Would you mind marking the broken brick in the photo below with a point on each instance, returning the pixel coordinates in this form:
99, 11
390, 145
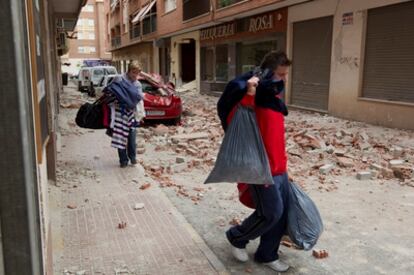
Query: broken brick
145, 186
320, 253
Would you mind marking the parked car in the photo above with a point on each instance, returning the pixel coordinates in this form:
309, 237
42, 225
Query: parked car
105, 80
161, 101
89, 77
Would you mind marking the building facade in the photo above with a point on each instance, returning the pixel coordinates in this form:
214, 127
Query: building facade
353, 59
88, 39
346, 61
34, 37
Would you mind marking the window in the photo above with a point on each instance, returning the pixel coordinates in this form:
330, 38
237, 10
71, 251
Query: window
249, 55
80, 23
214, 62
207, 61
170, 5
225, 3
86, 49
150, 21
91, 23
82, 35
87, 8
194, 8
221, 63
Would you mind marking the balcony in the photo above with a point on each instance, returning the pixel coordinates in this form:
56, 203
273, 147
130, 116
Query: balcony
135, 31
225, 3
149, 24
116, 41
194, 8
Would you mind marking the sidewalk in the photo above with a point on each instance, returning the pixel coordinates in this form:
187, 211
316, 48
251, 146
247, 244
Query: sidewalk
94, 196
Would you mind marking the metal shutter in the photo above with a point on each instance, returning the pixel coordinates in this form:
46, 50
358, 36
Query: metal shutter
389, 53
311, 66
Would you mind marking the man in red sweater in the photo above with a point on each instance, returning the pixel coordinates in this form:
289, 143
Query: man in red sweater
269, 219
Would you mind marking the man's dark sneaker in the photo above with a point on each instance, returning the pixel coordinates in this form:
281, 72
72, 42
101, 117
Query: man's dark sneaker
123, 165
133, 162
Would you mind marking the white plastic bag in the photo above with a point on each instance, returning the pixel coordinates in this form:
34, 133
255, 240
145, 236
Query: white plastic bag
140, 114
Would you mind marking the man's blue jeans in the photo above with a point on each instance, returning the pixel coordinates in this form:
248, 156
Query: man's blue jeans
268, 222
131, 151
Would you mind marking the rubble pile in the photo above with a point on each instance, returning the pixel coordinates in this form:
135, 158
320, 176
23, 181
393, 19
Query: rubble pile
319, 147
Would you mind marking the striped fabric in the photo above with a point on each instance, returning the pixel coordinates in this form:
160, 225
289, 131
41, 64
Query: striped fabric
123, 122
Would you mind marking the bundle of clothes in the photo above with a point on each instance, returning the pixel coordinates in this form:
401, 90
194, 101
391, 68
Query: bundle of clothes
119, 110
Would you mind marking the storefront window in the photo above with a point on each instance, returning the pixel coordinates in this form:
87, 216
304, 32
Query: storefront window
221, 63
214, 62
249, 55
207, 62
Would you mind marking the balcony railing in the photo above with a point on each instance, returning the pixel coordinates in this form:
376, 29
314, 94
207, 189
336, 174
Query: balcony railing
194, 8
116, 41
135, 31
149, 24
225, 3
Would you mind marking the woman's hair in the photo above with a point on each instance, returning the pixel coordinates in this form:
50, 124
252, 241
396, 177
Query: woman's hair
134, 65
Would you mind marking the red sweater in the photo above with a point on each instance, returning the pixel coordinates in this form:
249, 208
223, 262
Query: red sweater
272, 128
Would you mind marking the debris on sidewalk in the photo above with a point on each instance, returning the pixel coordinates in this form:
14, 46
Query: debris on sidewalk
314, 142
139, 206
145, 186
235, 221
320, 253
122, 225
72, 206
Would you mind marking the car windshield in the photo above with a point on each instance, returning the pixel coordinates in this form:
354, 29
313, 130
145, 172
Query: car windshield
98, 72
148, 88
110, 70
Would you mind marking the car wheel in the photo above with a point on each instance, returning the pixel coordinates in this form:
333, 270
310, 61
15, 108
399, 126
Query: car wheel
177, 121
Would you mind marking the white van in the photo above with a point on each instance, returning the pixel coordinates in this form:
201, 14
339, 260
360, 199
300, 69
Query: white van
89, 77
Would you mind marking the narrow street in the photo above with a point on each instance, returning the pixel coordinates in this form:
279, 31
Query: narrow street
174, 224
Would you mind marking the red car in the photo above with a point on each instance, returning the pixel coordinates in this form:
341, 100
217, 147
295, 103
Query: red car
160, 99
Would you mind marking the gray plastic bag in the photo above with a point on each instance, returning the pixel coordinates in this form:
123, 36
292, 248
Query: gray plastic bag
242, 156
304, 221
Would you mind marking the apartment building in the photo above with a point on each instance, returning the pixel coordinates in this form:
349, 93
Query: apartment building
351, 58
34, 37
88, 45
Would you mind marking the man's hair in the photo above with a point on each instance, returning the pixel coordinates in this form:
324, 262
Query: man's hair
134, 65
274, 59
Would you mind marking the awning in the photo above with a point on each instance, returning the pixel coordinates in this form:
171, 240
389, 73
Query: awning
144, 11
113, 5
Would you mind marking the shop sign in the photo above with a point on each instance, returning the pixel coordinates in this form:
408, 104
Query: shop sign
217, 32
261, 23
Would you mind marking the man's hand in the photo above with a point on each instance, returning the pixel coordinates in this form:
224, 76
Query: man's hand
251, 85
